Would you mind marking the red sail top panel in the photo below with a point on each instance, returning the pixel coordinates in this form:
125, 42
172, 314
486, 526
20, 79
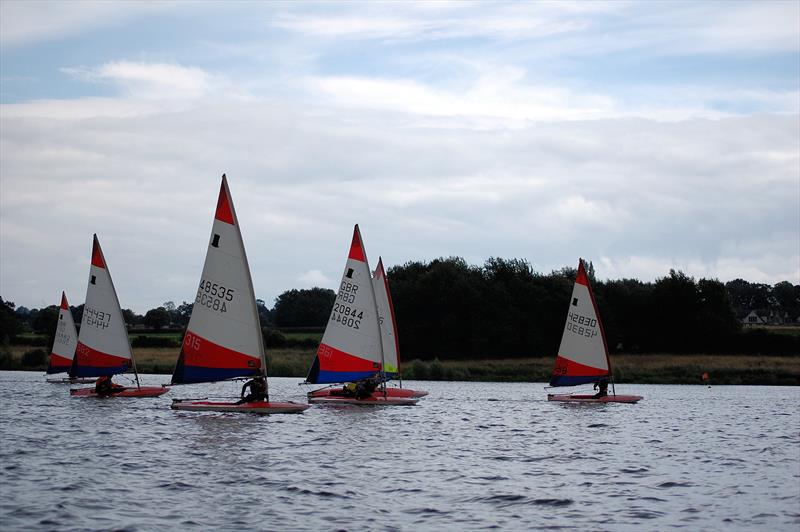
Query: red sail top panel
97, 254
224, 213
356, 247
582, 278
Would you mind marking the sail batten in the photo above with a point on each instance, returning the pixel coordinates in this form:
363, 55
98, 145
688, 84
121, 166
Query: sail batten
351, 345
583, 353
223, 338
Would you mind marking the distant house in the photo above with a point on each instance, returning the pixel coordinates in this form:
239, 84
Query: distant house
756, 318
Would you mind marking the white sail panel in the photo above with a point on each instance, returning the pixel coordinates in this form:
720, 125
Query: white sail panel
223, 338
386, 319
103, 346
582, 341
582, 355
351, 345
66, 340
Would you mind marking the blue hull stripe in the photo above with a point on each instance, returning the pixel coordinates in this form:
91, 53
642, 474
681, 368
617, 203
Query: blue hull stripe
93, 371
189, 374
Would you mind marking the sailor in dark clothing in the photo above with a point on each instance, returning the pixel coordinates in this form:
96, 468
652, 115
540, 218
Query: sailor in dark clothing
364, 388
603, 391
258, 390
104, 387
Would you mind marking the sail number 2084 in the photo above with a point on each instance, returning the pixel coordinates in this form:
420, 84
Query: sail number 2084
213, 296
347, 316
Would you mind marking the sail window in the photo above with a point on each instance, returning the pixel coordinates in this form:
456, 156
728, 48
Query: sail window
215, 242
94, 280
574, 301
349, 273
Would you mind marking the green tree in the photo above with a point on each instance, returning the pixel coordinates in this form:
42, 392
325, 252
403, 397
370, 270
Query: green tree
10, 323
787, 297
304, 308
46, 320
130, 317
156, 318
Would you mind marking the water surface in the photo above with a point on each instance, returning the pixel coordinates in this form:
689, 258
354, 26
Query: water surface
470, 456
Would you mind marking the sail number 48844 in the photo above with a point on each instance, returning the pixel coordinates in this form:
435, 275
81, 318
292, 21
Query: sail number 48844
213, 296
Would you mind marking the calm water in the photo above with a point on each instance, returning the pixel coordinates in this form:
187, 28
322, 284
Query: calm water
469, 456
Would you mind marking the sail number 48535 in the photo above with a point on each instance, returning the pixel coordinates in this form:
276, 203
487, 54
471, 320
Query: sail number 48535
213, 296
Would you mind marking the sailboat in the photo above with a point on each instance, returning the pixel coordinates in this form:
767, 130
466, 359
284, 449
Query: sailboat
223, 338
63, 352
583, 353
103, 347
351, 348
388, 329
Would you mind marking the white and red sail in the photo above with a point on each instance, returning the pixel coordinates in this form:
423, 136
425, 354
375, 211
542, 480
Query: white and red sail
388, 324
103, 347
583, 354
223, 339
351, 345
66, 340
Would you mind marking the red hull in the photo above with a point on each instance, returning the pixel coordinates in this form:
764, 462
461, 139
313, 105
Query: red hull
377, 399
257, 407
144, 391
569, 398
390, 392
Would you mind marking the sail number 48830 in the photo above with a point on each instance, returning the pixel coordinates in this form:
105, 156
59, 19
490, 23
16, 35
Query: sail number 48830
213, 296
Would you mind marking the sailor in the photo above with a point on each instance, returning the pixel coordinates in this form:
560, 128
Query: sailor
603, 391
258, 390
364, 388
350, 389
104, 387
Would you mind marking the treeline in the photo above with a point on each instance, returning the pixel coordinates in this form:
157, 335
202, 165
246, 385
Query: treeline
449, 309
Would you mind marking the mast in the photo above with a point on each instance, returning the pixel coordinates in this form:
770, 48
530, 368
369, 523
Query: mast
602, 329
260, 337
377, 317
96, 244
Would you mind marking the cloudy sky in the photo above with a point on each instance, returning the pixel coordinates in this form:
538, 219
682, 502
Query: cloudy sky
643, 136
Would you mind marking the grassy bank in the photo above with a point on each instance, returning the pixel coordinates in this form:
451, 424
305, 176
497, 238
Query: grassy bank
642, 369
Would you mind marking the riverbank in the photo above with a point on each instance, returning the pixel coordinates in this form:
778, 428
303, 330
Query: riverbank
655, 368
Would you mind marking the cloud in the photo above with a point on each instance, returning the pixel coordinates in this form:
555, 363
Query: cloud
25, 22
154, 81
502, 94
470, 129
313, 278
707, 196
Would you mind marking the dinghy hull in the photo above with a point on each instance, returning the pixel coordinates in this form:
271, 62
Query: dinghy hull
144, 391
391, 392
258, 407
376, 399
570, 398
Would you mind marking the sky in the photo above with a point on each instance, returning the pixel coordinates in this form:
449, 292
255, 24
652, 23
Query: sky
643, 136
